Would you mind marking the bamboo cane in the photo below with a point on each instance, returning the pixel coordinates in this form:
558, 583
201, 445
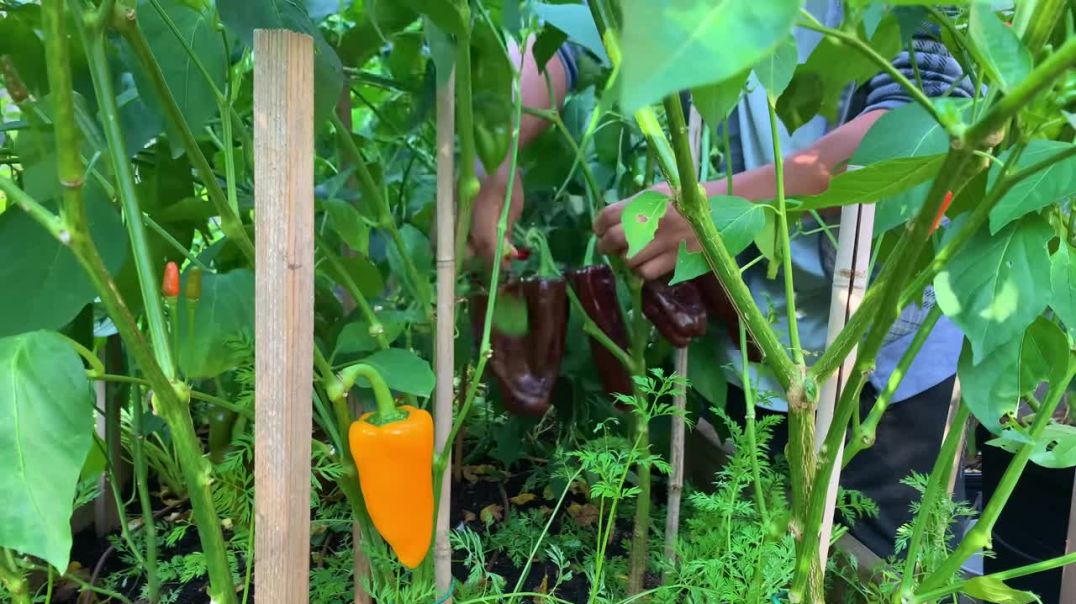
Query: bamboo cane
446, 312
849, 285
676, 453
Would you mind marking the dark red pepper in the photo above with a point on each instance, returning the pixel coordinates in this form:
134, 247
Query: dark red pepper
719, 307
676, 311
596, 287
526, 367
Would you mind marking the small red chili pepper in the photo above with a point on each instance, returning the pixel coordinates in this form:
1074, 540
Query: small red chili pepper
170, 283
521, 253
941, 211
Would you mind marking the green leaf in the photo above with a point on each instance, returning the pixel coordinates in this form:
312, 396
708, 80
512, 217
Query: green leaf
418, 250
1062, 278
365, 274
874, 182
242, 17
907, 131
19, 41
193, 93
996, 286
347, 223
1044, 355
1007, 60
1038, 190
704, 372
990, 589
376, 24
47, 418
1055, 448
576, 21
775, 71
356, 337
641, 218
52, 287
224, 313
446, 14
715, 101
991, 387
738, 221
670, 45
403, 371
801, 101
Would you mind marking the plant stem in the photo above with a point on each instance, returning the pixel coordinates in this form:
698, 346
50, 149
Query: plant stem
340, 274
386, 407
936, 485
230, 222
172, 399
979, 535
14, 579
783, 236
692, 205
468, 185
865, 49
149, 526
93, 38
749, 420
640, 542
419, 282
865, 434
1005, 575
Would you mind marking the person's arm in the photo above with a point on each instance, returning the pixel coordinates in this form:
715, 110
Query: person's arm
535, 93
806, 172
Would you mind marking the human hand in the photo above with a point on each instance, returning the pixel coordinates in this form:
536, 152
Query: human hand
487, 213
656, 259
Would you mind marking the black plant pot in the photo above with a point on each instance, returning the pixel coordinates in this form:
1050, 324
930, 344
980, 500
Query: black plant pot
1033, 525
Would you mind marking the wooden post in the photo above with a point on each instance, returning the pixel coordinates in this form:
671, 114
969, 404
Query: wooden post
849, 285
284, 311
1068, 574
444, 359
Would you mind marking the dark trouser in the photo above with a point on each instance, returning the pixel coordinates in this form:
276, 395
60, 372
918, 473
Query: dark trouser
908, 439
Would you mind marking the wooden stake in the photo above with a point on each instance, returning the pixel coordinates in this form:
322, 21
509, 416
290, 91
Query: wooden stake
849, 285
1068, 574
284, 311
954, 406
676, 453
446, 312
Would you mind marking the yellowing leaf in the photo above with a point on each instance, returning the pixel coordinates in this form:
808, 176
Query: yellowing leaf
523, 498
491, 513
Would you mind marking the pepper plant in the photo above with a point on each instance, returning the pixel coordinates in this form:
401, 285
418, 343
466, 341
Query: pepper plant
126, 151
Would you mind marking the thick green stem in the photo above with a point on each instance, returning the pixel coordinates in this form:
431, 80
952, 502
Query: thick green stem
1013, 573
784, 237
692, 204
419, 282
14, 579
865, 433
979, 535
1044, 15
93, 37
936, 486
172, 399
386, 406
230, 222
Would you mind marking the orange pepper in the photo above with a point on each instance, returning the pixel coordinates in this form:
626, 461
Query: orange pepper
393, 450
941, 211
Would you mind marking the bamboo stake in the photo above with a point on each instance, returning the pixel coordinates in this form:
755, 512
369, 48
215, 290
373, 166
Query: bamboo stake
849, 285
446, 312
676, 453
1068, 575
284, 321
954, 406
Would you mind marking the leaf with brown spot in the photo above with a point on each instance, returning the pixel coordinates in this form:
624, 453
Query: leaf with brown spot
584, 514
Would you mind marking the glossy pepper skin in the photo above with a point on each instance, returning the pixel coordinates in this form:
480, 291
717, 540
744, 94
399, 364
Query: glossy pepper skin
395, 463
719, 307
170, 281
675, 310
596, 287
526, 366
